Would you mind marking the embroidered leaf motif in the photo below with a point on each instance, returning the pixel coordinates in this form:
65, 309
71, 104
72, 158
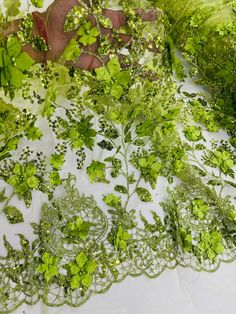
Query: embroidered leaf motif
13, 214
74, 18
121, 189
106, 145
144, 194
105, 21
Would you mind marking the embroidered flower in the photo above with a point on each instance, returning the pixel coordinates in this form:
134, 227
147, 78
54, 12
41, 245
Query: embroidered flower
114, 79
48, 267
88, 33
78, 228
121, 239
193, 133
81, 271
24, 178
199, 208
211, 244
13, 63
223, 160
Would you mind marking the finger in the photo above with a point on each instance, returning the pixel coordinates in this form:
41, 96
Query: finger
118, 18
86, 62
148, 16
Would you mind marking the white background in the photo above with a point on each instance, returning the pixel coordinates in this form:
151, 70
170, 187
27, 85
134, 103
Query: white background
179, 291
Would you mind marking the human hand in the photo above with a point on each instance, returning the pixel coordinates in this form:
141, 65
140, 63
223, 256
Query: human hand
54, 19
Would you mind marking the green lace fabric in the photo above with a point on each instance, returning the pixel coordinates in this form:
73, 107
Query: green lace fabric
206, 32
107, 173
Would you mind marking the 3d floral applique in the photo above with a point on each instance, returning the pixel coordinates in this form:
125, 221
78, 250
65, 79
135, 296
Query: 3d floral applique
48, 267
113, 78
193, 133
149, 167
97, 172
77, 133
74, 18
199, 208
81, 271
57, 160
211, 244
87, 33
99, 148
122, 238
13, 63
78, 228
223, 160
112, 200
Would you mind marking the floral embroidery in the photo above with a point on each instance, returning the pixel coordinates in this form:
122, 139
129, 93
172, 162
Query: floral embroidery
48, 267
99, 148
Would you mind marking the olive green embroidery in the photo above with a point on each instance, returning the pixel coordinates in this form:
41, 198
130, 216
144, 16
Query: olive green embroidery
126, 136
144, 194
14, 216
